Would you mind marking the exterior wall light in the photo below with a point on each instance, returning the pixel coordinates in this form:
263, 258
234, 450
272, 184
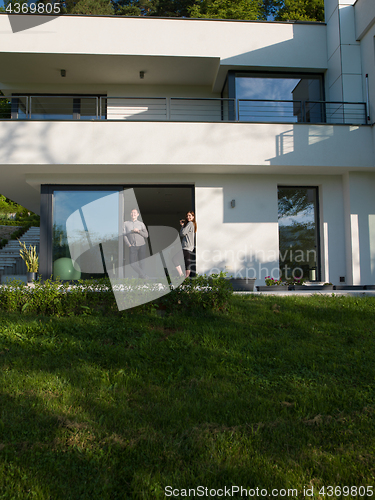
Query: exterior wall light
63, 72
232, 203
141, 75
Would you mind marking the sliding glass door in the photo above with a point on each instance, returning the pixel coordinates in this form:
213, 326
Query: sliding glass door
298, 233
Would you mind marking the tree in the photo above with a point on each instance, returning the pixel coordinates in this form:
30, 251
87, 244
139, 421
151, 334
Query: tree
280, 10
301, 10
228, 9
5, 107
89, 7
293, 202
8, 206
131, 7
160, 8
173, 8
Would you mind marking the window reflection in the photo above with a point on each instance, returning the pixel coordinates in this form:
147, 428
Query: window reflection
82, 220
276, 98
54, 107
298, 233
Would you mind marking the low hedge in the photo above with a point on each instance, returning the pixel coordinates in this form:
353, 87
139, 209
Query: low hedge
22, 222
200, 293
6, 222
57, 298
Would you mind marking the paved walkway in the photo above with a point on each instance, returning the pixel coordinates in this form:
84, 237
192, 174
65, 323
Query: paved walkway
352, 293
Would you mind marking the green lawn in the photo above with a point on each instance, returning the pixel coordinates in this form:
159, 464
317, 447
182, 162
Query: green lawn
277, 393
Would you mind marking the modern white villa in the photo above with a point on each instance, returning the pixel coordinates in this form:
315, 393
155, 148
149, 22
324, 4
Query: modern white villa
265, 130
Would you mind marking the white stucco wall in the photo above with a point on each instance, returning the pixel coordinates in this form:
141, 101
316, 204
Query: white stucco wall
156, 146
359, 189
244, 240
364, 17
366, 30
235, 42
344, 75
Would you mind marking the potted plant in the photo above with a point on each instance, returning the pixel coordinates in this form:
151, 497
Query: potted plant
314, 286
242, 284
296, 284
31, 259
273, 285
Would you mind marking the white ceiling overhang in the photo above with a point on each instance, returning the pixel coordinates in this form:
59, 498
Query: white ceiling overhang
107, 69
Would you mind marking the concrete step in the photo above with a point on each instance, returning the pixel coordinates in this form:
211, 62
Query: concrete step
11, 263
28, 241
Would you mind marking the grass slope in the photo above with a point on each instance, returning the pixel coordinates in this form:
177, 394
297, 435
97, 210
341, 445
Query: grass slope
276, 393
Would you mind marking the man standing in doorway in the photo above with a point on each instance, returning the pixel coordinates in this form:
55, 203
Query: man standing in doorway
135, 233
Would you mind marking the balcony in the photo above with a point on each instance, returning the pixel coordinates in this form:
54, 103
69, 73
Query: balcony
176, 109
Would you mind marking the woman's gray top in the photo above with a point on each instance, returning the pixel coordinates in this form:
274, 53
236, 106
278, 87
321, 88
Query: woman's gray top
187, 236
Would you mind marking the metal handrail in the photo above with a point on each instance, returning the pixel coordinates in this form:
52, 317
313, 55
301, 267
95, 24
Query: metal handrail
343, 114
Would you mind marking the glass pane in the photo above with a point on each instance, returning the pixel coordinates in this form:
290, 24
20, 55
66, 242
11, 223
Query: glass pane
298, 247
82, 220
51, 108
266, 88
88, 107
256, 92
19, 107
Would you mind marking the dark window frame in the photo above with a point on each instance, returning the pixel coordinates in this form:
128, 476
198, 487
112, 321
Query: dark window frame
230, 81
317, 224
76, 103
46, 213
231, 77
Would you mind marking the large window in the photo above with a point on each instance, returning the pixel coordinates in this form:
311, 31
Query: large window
274, 97
82, 222
298, 233
82, 226
56, 107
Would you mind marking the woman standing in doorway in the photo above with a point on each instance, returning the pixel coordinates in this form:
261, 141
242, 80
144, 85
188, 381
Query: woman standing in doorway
187, 234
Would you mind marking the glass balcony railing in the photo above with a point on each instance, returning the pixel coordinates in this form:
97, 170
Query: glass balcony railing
182, 109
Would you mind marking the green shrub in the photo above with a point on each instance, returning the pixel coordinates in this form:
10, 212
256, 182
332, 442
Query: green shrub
56, 298
200, 293
17, 234
88, 297
31, 220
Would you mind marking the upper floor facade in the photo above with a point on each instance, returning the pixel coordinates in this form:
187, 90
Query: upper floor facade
235, 96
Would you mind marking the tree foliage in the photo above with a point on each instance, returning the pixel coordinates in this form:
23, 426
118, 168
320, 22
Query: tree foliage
228, 9
8, 206
280, 10
293, 202
159, 8
300, 10
89, 7
5, 107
